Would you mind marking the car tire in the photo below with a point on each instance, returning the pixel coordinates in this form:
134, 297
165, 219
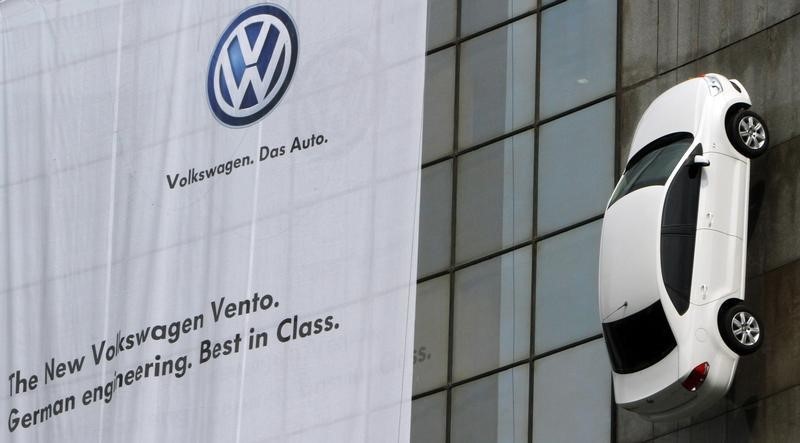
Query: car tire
748, 133
740, 329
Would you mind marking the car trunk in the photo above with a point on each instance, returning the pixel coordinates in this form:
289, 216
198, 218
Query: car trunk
671, 397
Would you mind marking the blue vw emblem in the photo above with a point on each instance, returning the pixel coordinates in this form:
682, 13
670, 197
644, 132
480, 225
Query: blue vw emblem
252, 65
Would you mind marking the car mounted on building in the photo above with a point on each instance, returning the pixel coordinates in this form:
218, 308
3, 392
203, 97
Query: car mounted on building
673, 248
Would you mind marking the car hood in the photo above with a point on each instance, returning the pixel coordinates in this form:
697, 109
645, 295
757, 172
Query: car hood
676, 110
629, 254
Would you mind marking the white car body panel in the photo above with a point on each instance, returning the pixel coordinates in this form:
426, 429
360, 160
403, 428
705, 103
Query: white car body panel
692, 98
660, 117
721, 208
637, 233
717, 266
630, 264
630, 388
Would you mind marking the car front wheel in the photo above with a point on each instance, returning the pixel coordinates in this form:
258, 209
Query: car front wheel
748, 133
740, 329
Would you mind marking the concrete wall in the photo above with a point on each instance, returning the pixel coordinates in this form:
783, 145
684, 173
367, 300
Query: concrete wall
758, 42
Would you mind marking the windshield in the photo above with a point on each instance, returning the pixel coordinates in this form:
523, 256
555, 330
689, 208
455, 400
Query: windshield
640, 340
654, 168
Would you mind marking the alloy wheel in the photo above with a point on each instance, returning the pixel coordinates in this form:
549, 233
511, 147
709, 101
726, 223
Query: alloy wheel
752, 132
745, 328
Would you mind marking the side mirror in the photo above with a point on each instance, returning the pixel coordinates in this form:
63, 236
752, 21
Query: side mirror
701, 161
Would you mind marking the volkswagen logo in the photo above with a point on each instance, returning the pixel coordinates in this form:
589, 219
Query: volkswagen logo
252, 65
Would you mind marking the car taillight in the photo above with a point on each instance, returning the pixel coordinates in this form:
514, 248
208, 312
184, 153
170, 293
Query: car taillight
696, 377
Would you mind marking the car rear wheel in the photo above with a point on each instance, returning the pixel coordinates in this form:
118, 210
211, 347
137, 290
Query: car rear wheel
748, 133
740, 329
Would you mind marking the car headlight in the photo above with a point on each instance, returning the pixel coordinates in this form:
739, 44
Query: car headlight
714, 85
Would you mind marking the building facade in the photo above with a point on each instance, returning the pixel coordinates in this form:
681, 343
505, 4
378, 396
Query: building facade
529, 110
518, 162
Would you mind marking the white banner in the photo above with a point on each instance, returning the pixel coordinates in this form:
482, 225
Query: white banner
208, 219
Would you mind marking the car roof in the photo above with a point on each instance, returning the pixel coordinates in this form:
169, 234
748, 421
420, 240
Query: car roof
628, 269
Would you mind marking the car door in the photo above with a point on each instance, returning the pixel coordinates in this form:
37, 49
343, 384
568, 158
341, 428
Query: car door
723, 197
721, 228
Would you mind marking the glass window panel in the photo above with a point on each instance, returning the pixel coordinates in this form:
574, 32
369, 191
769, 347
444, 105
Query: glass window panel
430, 334
496, 88
481, 14
566, 287
434, 218
441, 22
578, 53
428, 416
495, 197
655, 167
572, 395
638, 341
576, 167
493, 409
492, 314
437, 134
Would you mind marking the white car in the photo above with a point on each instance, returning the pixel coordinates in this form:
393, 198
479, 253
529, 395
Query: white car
673, 248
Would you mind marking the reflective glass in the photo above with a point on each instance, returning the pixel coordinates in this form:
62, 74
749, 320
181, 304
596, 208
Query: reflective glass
493, 409
678, 231
437, 134
480, 14
434, 218
640, 340
430, 334
572, 395
652, 168
576, 167
578, 53
428, 416
441, 22
492, 310
566, 287
494, 205
496, 86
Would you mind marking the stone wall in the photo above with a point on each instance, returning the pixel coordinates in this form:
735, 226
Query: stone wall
757, 42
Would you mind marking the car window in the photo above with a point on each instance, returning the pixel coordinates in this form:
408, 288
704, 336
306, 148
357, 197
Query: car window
678, 227
639, 340
652, 169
